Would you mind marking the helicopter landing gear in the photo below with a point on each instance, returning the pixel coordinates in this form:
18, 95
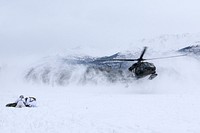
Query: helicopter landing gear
152, 76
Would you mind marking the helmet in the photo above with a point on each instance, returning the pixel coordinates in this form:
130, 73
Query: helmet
21, 96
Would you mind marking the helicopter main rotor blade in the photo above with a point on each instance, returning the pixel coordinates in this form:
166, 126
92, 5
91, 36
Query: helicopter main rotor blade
122, 60
105, 60
142, 54
139, 59
166, 57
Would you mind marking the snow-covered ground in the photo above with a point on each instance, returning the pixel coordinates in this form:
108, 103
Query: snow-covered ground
89, 111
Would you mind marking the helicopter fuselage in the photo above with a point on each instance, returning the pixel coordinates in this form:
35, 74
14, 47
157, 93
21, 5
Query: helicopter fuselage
142, 69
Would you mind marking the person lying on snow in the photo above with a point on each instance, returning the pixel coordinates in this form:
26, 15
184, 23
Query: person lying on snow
30, 102
23, 102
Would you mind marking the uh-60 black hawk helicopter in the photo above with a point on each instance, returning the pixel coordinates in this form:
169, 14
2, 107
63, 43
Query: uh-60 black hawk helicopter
142, 68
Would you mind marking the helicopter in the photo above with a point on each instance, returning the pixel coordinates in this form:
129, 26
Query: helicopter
142, 68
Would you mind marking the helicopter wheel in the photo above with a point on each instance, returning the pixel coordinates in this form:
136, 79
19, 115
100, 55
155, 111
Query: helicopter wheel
152, 76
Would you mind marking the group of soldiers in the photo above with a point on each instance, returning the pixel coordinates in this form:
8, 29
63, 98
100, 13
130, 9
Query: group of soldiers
23, 102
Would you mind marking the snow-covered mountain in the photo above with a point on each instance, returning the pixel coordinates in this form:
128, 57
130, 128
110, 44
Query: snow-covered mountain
171, 42
194, 49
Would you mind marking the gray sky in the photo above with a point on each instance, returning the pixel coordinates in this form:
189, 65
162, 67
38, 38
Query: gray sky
38, 26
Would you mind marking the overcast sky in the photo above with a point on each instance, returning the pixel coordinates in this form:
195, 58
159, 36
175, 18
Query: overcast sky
37, 26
